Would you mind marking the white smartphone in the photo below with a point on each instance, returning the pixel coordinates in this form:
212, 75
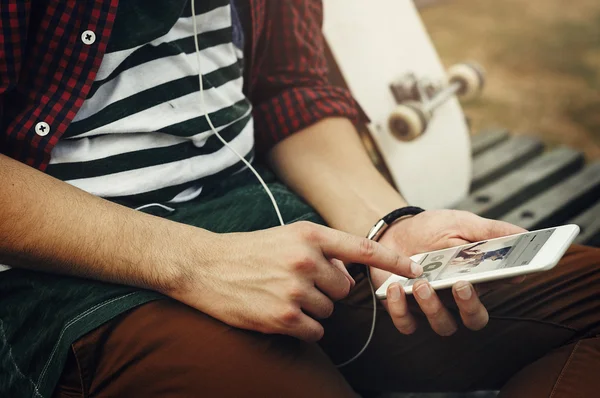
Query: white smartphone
489, 260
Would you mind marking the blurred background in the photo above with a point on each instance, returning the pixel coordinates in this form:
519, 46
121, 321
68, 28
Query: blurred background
542, 59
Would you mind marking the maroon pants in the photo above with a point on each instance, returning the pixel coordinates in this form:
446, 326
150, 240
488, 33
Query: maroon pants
543, 340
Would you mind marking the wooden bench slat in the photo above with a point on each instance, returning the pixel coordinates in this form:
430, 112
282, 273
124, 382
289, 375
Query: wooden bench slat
561, 202
504, 158
487, 139
499, 197
589, 221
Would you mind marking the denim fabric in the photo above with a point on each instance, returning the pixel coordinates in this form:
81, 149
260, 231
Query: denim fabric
41, 315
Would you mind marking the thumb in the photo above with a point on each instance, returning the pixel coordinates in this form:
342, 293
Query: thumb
475, 228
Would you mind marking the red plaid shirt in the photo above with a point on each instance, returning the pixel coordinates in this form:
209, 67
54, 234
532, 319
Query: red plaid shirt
47, 69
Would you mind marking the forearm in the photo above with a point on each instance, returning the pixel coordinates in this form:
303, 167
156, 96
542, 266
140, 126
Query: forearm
328, 166
48, 225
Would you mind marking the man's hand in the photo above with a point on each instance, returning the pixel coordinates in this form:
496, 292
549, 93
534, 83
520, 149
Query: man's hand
282, 279
327, 165
434, 230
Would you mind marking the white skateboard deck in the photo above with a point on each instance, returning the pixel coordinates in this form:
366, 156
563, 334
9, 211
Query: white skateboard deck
374, 42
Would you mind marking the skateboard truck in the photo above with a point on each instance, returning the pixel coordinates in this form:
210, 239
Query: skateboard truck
418, 99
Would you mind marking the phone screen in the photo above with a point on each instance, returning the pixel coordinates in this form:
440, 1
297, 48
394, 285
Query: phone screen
490, 255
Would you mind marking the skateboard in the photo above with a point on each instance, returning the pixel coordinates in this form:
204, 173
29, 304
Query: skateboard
417, 128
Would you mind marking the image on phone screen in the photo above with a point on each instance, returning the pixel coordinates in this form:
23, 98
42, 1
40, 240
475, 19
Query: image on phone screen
490, 255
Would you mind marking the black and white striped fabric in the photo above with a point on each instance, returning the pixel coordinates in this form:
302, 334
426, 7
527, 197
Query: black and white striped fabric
141, 135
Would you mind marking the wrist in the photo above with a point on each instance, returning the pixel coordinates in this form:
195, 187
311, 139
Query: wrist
357, 217
391, 218
176, 254
400, 235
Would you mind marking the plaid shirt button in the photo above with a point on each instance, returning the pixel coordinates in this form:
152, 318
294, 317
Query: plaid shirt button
88, 37
42, 129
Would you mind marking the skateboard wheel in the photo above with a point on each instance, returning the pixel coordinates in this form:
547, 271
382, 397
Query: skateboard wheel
471, 78
408, 121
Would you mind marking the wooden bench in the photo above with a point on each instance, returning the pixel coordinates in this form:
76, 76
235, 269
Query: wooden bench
516, 179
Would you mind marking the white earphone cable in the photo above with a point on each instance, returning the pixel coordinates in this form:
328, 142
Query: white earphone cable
268, 191
372, 332
169, 209
214, 130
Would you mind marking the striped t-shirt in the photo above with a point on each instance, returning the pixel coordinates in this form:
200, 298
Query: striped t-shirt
141, 134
